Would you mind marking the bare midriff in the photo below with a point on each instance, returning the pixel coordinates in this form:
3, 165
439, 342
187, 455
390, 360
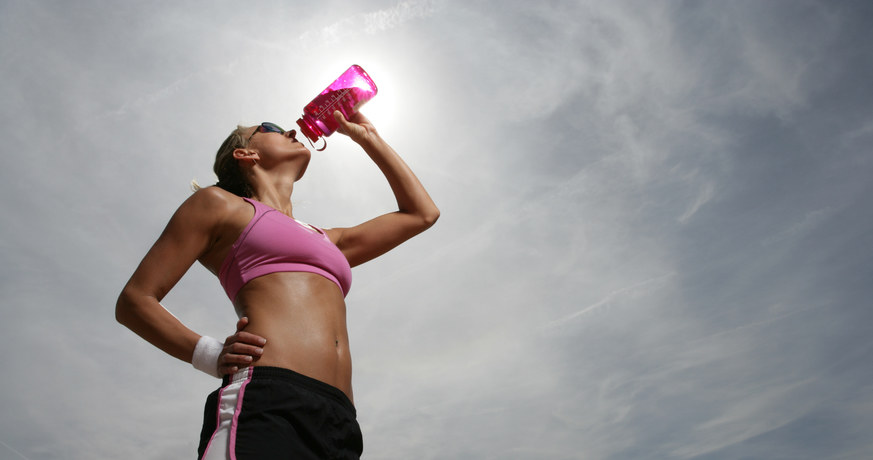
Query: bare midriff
303, 317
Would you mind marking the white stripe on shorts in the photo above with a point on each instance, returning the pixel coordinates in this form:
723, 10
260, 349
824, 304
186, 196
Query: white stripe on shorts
222, 444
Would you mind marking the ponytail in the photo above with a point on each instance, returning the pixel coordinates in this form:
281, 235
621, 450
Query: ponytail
230, 176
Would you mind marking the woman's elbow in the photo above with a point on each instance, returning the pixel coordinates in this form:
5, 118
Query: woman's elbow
124, 307
430, 217
120, 309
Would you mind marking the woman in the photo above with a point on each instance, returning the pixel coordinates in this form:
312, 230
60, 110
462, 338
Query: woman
287, 390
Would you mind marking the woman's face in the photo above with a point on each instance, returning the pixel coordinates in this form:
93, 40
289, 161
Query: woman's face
274, 148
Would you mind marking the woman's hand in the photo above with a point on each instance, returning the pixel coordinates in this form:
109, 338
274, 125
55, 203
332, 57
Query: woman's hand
240, 349
358, 127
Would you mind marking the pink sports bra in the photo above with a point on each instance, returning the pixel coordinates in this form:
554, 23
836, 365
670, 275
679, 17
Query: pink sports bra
273, 242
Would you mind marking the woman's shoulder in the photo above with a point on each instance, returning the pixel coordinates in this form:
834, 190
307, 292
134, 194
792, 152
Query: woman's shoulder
213, 201
213, 194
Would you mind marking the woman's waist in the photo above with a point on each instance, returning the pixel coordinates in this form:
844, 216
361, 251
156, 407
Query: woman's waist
318, 349
297, 335
327, 346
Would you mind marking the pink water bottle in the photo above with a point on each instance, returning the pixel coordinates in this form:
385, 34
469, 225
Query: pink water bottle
347, 94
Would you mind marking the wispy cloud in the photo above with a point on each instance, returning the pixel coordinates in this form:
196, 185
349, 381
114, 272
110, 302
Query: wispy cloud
17, 453
382, 20
707, 191
645, 285
373, 22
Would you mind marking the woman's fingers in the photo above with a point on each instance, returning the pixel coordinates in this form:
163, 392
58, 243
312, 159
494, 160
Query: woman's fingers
240, 349
236, 357
356, 127
245, 337
344, 125
249, 338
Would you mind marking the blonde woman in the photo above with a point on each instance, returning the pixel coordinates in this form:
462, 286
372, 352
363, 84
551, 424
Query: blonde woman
287, 373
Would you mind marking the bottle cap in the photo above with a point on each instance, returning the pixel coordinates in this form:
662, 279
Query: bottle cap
312, 133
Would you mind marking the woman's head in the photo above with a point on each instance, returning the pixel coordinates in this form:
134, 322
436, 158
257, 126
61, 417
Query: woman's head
278, 146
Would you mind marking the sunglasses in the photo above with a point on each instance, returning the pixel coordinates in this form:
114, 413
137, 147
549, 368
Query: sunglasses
266, 127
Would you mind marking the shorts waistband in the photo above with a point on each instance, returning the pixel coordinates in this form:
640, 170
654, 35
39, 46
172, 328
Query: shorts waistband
294, 378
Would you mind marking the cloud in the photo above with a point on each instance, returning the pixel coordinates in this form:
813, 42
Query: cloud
706, 193
389, 18
371, 23
10, 449
606, 301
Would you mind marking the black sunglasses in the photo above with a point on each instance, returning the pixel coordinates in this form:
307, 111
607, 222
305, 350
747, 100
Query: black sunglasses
266, 127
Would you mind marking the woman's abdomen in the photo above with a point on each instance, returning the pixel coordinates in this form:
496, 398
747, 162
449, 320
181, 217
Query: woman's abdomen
303, 317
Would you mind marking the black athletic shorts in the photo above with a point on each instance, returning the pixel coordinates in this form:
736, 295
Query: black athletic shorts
265, 413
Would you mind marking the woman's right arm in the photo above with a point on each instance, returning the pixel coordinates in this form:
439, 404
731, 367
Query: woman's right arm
189, 234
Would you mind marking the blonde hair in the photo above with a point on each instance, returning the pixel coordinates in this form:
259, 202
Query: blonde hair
226, 168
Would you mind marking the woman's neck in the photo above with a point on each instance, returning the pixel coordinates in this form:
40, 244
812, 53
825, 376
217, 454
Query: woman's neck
276, 194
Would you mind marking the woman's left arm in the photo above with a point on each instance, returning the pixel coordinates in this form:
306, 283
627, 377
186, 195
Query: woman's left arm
416, 211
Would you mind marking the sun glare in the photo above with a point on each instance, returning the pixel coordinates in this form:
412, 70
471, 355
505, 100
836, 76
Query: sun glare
380, 110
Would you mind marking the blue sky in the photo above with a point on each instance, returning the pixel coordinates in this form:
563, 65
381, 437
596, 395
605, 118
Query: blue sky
655, 239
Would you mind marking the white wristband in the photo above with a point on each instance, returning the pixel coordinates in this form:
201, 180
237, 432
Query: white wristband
206, 355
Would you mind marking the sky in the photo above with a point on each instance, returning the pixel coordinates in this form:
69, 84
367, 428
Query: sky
655, 239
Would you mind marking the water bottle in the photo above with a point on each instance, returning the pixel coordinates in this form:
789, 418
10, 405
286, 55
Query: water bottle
347, 94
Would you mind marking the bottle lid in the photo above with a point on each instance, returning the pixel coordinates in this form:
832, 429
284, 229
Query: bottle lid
312, 133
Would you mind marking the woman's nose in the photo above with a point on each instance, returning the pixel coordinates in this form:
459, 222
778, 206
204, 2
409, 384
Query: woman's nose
292, 134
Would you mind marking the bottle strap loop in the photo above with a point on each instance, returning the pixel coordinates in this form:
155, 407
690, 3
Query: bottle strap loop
316, 148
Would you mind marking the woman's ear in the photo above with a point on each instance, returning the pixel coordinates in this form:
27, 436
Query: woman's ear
245, 154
